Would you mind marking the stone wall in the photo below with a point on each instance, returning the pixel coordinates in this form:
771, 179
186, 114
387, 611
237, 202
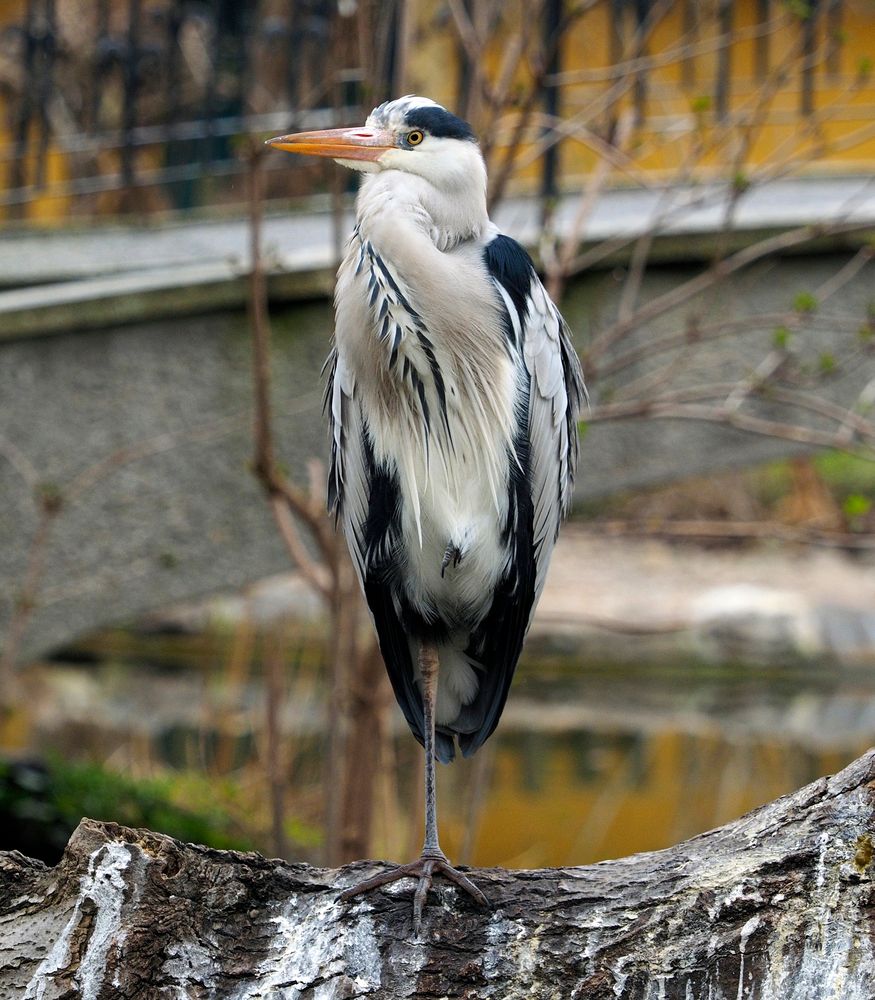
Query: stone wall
141, 434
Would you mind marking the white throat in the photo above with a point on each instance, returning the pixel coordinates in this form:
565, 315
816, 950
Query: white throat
449, 215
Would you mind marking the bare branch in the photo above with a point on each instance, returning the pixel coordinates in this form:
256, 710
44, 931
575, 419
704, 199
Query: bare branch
731, 530
662, 409
26, 600
315, 575
736, 262
20, 462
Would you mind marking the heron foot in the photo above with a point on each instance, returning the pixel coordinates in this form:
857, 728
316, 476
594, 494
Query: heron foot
452, 555
424, 869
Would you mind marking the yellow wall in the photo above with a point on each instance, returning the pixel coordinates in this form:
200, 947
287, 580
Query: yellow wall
764, 128
764, 131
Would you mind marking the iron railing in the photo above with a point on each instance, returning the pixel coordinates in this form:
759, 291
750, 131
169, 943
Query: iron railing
139, 106
146, 100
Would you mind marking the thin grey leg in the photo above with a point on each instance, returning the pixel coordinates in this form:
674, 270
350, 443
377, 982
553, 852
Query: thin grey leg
428, 666
433, 860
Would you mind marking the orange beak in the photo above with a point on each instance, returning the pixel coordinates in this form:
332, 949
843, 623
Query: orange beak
361, 143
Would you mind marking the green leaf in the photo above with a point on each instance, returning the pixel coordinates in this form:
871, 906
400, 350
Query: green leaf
801, 8
856, 505
805, 302
740, 182
582, 429
827, 363
781, 337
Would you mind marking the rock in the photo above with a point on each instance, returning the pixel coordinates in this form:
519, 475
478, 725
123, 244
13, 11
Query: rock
753, 624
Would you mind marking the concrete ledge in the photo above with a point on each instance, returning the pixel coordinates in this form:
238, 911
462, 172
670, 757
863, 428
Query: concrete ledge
763, 607
88, 279
111, 300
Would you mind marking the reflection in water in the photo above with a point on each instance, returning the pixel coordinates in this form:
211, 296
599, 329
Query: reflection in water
588, 762
594, 763
583, 797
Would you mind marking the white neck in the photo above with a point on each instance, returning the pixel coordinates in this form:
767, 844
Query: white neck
449, 215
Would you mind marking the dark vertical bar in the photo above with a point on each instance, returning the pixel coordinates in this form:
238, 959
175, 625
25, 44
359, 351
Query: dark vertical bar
617, 32
247, 17
176, 150
131, 83
172, 88
322, 45
46, 62
761, 54
208, 101
642, 9
724, 59
617, 40
293, 69
834, 30
390, 66
101, 46
690, 25
553, 50
809, 43
466, 73
17, 171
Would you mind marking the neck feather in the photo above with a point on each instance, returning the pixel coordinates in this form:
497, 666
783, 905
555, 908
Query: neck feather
449, 218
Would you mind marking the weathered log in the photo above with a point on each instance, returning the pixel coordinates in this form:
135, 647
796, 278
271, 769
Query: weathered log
777, 905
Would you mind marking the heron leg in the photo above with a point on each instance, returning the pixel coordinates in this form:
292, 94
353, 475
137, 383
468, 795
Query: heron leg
432, 861
428, 668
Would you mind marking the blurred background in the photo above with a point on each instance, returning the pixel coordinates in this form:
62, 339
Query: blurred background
183, 645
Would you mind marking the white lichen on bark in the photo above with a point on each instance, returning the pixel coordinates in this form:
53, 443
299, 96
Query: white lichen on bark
776, 906
103, 886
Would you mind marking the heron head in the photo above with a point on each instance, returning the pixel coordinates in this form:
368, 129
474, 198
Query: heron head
411, 134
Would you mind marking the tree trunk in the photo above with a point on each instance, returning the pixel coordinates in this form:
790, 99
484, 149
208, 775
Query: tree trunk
778, 904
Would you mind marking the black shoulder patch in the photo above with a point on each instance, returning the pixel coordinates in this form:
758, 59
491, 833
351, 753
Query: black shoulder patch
439, 122
512, 267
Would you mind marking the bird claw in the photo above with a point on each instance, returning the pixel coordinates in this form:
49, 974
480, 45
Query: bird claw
453, 554
424, 869
420, 895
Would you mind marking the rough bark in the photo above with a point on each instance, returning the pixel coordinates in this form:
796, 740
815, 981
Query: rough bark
778, 904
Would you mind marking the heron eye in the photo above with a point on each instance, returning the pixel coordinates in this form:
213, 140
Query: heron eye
414, 138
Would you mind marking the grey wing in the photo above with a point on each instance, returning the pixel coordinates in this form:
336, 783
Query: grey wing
348, 474
556, 393
366, 500
550, 391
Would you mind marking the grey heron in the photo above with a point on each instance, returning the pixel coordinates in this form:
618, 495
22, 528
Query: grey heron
453, 397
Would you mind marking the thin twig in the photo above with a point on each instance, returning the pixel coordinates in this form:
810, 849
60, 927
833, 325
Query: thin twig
316, 575
26, 600
661, 410
285, 497
730, 531
743, 258
274, 691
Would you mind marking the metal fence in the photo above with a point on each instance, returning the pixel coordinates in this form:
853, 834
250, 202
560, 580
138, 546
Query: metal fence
142, 103
139, 106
